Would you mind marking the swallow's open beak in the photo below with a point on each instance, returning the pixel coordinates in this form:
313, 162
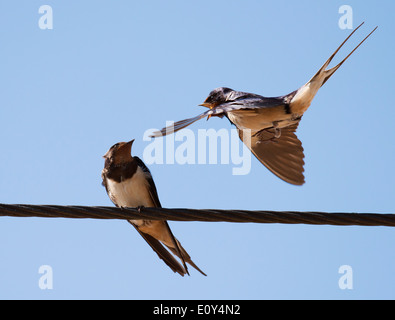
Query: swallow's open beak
207, 105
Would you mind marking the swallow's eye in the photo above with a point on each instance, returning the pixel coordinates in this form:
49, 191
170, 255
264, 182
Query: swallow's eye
115, 146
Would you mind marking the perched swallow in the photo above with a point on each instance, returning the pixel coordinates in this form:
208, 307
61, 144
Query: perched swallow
129, 183
267, 125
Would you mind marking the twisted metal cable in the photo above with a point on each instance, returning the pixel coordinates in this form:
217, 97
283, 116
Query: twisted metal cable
208, 215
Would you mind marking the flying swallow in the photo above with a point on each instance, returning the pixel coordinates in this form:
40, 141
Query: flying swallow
129, 183
268, 125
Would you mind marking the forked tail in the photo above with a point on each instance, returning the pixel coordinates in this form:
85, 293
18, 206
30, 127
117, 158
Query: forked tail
322, 74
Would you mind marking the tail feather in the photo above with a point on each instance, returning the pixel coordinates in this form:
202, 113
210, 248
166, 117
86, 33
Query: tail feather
331, 71
162, 253
161, 237
185, 256
177, 247
323, 75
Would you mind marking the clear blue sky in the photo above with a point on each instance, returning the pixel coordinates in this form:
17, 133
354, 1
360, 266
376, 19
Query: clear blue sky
110, 70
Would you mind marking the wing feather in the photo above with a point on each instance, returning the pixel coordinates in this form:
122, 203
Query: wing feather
283, 156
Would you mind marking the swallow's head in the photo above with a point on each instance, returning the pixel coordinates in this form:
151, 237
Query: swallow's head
216, 97
119, 152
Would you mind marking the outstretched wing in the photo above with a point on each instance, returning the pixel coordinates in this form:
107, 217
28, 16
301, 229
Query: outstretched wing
283, 156
179, 125
240, 101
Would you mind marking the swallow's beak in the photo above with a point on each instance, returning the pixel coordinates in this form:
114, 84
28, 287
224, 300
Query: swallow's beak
130, 142
207, 105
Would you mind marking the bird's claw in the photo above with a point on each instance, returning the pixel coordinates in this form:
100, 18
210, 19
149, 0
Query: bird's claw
277, 130
274, 138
